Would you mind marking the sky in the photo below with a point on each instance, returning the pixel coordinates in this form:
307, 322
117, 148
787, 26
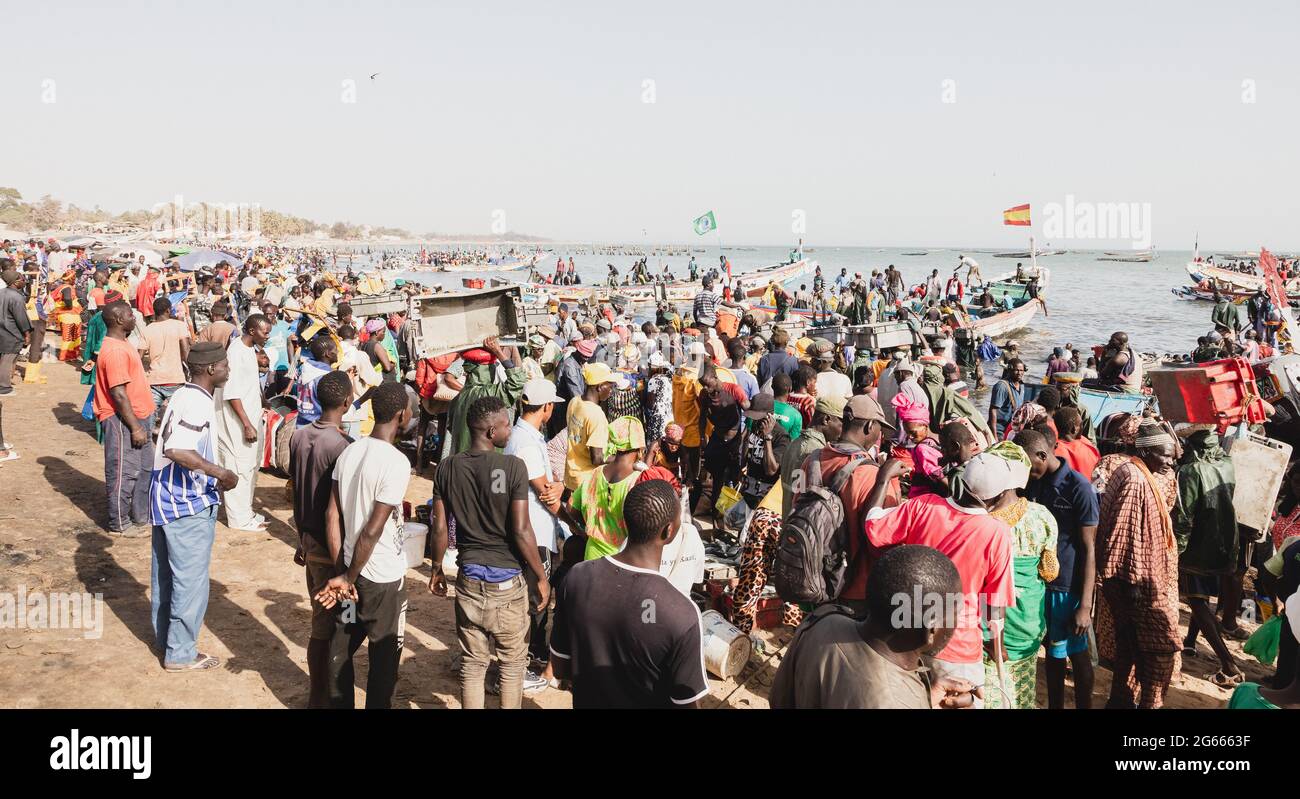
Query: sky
857, 123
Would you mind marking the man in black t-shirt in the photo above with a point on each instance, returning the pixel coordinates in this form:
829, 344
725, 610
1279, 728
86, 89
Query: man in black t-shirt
487, 493
624, 635
313, 450
765, 445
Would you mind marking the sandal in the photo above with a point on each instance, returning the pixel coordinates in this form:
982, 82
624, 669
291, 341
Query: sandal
201, 662
1223, 680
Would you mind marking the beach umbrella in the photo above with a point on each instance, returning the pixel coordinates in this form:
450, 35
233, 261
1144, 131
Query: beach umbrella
195, 260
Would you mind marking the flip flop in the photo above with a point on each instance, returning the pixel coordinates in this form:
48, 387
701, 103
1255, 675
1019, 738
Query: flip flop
201, 663
1223, 680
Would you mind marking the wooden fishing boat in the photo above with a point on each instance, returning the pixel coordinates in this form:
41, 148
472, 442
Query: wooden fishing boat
1027, 254
1139, 257
502, 264
755, 284
1207, 295
1201, 271
1023, 307
1004, 287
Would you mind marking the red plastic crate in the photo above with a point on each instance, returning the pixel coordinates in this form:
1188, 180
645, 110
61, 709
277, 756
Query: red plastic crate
1216, 392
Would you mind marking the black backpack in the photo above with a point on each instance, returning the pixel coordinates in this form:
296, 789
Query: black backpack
812, 556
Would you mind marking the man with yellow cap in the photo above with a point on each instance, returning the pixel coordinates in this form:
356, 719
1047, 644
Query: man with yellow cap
587, 425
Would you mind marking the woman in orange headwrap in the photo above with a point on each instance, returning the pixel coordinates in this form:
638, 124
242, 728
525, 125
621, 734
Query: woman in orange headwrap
68, 315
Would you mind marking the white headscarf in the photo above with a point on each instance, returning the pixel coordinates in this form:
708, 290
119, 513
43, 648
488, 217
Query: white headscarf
988, 474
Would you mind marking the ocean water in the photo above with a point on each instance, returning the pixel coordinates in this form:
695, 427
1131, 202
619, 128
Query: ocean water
1087, 299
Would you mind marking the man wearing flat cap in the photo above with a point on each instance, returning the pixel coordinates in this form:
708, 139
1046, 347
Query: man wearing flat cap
185, 491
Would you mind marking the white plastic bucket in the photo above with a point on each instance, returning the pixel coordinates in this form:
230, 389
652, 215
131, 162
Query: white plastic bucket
726, 648
416, 535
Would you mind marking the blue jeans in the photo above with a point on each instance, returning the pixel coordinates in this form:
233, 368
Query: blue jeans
182, 551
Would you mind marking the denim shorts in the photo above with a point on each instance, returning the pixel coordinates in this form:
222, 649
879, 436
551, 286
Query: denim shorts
1061, 641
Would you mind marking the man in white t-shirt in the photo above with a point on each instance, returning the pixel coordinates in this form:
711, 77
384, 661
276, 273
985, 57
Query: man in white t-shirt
830, 383
239, 423
528, 443
370, 482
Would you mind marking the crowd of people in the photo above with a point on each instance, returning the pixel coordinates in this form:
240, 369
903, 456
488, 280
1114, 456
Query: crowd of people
925, 551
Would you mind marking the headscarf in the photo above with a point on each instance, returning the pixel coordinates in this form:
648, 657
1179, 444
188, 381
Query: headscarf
995, 470
1026, 416
1120, 428
1151, 435
374, 325
946, 404
674, 432
909, 410
586, 347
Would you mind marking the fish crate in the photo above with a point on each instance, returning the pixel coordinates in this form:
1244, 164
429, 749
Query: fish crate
367, 305
1260, 465
883, 335
451, 322
1221, 392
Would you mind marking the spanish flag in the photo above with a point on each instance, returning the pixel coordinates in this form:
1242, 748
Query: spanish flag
1016, 216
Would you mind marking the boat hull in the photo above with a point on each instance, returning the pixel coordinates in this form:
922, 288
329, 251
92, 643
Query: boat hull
1252, 283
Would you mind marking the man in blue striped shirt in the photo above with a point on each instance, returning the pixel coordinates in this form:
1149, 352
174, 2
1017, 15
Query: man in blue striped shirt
184, 495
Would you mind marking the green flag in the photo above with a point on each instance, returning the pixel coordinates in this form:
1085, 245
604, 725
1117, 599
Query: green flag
705, 223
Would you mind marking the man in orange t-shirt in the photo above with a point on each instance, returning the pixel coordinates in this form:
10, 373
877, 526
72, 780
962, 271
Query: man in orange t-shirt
864, 421
1077, 451
124, 408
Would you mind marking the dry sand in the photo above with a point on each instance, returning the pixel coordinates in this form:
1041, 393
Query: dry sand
52, 539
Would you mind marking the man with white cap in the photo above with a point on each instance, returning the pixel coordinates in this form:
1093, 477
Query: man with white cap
528, 443
979, 545
532, 363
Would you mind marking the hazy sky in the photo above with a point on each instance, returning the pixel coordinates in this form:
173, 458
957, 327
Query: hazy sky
537, 110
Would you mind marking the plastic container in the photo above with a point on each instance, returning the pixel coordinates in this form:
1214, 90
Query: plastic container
416, 538
726, 648
1217, 392
1260, 464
